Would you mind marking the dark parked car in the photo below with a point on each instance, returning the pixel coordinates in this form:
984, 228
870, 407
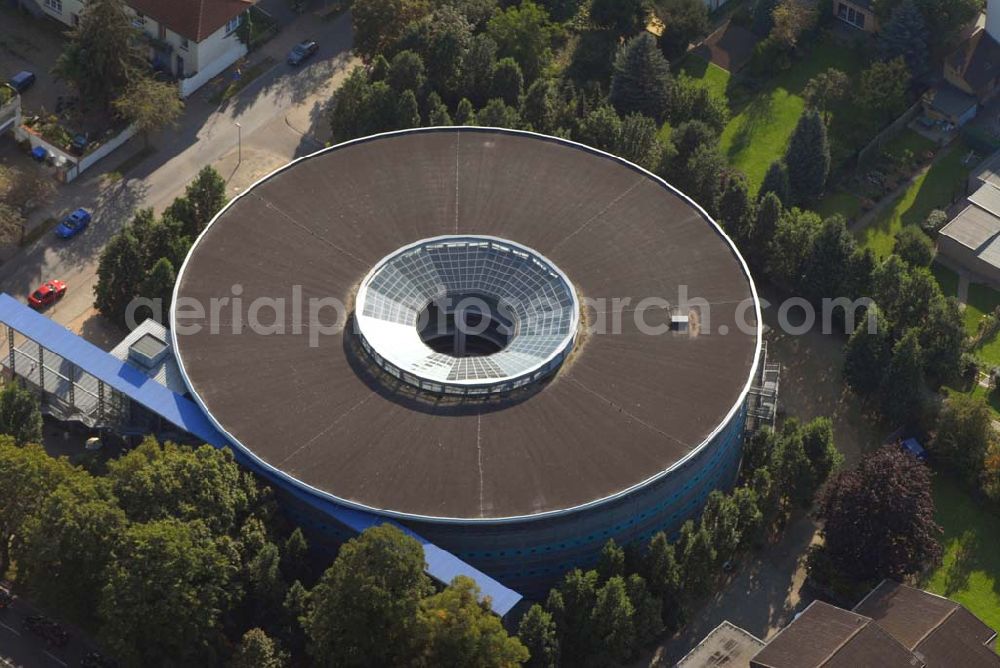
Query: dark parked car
43, 627
73, 224
22, 81
302, 51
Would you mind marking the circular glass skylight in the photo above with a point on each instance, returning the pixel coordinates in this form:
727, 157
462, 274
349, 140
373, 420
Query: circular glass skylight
467, 315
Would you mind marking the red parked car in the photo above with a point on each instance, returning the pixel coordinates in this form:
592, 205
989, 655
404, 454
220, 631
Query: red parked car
47, 294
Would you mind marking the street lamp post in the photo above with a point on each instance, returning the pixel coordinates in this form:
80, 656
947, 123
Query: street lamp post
239, 143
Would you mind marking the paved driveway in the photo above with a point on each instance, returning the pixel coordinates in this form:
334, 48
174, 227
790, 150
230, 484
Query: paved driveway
31, 44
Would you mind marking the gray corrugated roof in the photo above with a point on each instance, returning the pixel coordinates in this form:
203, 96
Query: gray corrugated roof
165, 372
988, 198
973, 228
726, 645
951, 101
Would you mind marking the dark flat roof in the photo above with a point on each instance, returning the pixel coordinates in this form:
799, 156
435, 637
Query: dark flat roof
623, 409
831, 637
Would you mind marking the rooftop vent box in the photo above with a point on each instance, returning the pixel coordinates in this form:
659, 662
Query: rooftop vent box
148, 350
679, 323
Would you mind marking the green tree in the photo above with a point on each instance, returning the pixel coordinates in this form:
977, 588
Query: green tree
790, 465
601, 128
903, 384
776, 181
905, 35
882, 90
496, 114
719, 518
378, 24
508, 82
913, 246
159, 285
646, 617
684, 21
464, 113
441, 39
638, 141
769, 212
808, 158
20, 414
736, 212
149, 104
437, 112
964, 435
460, 630
666, 579
29, 475
258, 650
406, 72
523, 32
611, 562
203, 198
295, 609
477, 69
540, 107
824, 274
101, 57
942, 340
817, 443
407, 110
830, 85
611, 621
749, 516
701, 177
867, 353
537, 631
295, 558
945, 18
119, 273
571, 606
166, 574
791, 247
157, 482
697, 556
688, 137
364, 609
689, 100
641, 81
623, 17
879, 517
68, 543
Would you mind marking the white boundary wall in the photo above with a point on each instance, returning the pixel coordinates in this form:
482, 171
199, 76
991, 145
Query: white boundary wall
74, 166
192, 83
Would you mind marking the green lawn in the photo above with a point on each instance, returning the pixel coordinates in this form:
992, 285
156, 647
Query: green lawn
843, 203
907, 140
759, 129
970, 570
934, 189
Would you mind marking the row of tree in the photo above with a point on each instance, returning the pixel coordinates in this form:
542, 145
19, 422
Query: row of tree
603, 616
142, 259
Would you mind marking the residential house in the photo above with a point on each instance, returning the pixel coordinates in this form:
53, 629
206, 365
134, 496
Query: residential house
193, 40
857, 13
974, 67
971, 74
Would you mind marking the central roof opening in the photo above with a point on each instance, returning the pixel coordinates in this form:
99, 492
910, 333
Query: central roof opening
467, 315
467, 325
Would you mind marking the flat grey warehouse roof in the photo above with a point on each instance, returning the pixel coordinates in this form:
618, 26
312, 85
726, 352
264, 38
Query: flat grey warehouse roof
623, 408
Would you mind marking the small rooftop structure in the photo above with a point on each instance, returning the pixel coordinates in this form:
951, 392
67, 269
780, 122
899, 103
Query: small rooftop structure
937, 630
726, 646
148, 349
988, 171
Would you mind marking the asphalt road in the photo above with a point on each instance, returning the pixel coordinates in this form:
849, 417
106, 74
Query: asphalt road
281, 117
22, 649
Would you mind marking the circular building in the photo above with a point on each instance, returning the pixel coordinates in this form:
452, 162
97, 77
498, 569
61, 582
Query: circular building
516, 345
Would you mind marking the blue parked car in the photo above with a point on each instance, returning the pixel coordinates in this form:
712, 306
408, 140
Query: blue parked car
22, 81
73, 224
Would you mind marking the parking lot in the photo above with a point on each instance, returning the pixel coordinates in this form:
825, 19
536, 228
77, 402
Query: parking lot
33, 45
